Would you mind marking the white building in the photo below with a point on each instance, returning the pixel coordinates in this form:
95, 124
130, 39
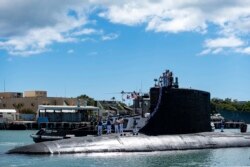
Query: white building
56, 113
7, 115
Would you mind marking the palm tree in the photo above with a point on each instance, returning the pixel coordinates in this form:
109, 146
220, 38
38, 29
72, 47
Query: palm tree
155, 81
113, 98
18, 106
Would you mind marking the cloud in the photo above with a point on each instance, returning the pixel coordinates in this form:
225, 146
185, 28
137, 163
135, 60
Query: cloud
87, 31
204, 52
31, 26
217, 45
34, 42
28, 27
88, 40
160, 16
181, 24
224, 42
110, 36
229, 19
244, 50
128, 13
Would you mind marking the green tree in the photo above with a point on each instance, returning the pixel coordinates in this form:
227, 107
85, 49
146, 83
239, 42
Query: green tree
18, 106
90, 101
27, 111
229, 104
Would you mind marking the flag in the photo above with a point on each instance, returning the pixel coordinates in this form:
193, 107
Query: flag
134, 95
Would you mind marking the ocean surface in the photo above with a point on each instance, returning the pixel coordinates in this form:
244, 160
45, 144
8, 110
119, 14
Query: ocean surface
206, 157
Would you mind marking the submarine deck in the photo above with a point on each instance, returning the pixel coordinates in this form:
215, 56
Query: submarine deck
140, 143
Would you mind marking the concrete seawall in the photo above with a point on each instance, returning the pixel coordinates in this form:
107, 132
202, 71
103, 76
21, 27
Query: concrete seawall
141, 143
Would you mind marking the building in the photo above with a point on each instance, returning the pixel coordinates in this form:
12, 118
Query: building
4, 95
35, 93
28, 104
7, 115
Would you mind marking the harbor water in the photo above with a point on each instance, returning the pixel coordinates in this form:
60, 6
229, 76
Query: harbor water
205, 157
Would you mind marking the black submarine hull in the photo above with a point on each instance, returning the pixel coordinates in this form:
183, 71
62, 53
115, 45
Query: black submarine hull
141, 143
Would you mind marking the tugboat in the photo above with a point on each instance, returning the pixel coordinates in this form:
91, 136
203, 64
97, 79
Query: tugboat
58, 134
48, 135
91, 128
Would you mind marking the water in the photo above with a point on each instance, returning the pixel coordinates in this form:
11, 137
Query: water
206, 157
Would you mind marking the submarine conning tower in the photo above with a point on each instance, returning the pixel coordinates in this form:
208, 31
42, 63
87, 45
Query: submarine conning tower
176, 110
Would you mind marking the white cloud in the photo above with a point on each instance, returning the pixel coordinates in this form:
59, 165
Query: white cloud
230, 18
224, 42
31, 26
186, 23
28, 27
204, 52
34, 42
87, 31
245, 50
216, 51
164, 16
129, 13
88, 39
110, 36
216, 46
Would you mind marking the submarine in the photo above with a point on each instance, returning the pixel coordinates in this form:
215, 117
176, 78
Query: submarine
179, 120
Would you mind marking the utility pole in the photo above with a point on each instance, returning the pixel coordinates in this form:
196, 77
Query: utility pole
4, 85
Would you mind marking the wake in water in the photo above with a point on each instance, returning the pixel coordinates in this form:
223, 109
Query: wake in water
12, 144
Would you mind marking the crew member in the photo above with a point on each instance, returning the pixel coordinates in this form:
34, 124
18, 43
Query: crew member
121, 126
116, 126
108, 126
99, 130
222, 125
135, 131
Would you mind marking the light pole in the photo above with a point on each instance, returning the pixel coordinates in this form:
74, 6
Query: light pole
155, 82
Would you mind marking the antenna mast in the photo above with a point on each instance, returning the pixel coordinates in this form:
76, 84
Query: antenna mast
3, 85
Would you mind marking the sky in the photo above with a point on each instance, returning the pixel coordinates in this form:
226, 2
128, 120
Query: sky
100, 48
